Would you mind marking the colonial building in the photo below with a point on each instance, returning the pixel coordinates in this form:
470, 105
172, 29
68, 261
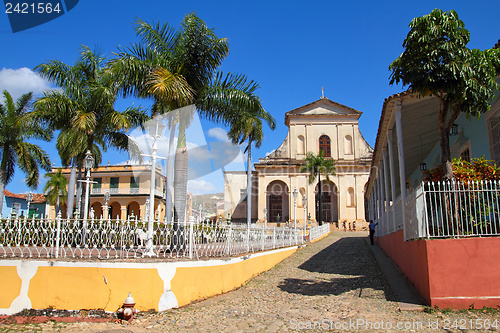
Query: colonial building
15, 204
128, 187
320, 125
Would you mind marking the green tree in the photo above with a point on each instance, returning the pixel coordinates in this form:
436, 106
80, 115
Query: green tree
84, 111
317, 165
55, 189
15, 129
248, 127
178, 68
436, 61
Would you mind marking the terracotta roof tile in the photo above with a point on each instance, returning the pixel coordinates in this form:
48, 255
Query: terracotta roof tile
37, 197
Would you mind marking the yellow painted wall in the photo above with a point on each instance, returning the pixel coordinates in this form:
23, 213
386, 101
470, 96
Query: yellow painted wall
78, 285
194, 283
94, 288
10, 284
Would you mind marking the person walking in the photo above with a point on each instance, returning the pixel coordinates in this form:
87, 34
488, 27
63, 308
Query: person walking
372, 226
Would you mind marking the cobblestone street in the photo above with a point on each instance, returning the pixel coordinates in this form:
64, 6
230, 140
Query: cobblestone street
334, 284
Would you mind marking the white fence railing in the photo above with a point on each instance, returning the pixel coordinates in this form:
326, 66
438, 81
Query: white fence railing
117, 239
460, 209
447, 209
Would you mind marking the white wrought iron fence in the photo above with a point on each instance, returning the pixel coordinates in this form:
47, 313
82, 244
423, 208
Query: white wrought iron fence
118, 239
453, 209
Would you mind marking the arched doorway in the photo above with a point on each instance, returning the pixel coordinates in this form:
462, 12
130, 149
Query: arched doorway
134, 208
329, 212
97, 210
115, 210
277, 201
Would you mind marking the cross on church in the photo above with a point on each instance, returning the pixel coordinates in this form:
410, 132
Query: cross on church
322, 92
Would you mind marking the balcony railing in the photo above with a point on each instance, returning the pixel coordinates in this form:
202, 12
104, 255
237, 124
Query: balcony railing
125, 191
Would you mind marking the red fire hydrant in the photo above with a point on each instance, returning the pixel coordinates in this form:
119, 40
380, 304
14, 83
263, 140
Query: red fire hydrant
127, 310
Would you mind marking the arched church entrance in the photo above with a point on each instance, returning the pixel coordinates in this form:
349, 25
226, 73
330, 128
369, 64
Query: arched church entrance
277, 201
329, 212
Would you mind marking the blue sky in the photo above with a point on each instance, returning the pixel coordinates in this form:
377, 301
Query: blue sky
291, 48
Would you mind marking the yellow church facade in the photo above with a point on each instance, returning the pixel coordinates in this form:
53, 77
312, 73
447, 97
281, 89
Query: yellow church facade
321, 125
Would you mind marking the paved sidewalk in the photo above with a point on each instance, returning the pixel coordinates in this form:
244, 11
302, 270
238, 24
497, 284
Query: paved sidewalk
406, 294
334, 284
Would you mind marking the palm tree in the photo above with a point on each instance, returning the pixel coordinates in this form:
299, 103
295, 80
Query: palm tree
84, 111
15, 129
248, 127
55, 189
178, 68
317, 165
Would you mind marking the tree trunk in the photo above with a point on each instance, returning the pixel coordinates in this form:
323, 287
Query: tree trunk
320, 212
180, 189
444, 141
79, 191
57, 206
249, 185
170, 174
2, 189
71, 189
180, 178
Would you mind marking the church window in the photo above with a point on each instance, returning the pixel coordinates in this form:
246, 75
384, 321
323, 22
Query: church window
348, 145
351, 198
324, 145
301, 143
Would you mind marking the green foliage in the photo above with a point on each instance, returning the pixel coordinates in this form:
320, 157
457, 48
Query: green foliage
436, 61
55, 188
84, 109
317, 165
475, 170
16, 128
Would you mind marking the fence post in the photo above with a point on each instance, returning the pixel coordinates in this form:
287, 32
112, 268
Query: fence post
58, 233
274, 237
263, 237
228, 241
248, 239
191, 238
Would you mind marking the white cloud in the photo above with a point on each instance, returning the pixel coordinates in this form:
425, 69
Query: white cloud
201, 186
218, 133
21, 81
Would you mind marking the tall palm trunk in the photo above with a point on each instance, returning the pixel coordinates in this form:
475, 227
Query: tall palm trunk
3, 180
180, 177
320, 213
71, 189
249, 185
180, 188
170, 174
79, 193
57, 205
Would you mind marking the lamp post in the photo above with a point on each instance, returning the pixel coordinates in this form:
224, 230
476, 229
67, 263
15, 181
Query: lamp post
265, 217
155, 130
107, 196
295, 194
29, 199
304, 203
89, 164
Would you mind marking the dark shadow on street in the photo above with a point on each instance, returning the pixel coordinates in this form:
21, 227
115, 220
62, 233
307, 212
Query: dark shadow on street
351, 265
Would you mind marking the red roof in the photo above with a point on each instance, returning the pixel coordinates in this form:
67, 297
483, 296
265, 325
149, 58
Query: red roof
37, 197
